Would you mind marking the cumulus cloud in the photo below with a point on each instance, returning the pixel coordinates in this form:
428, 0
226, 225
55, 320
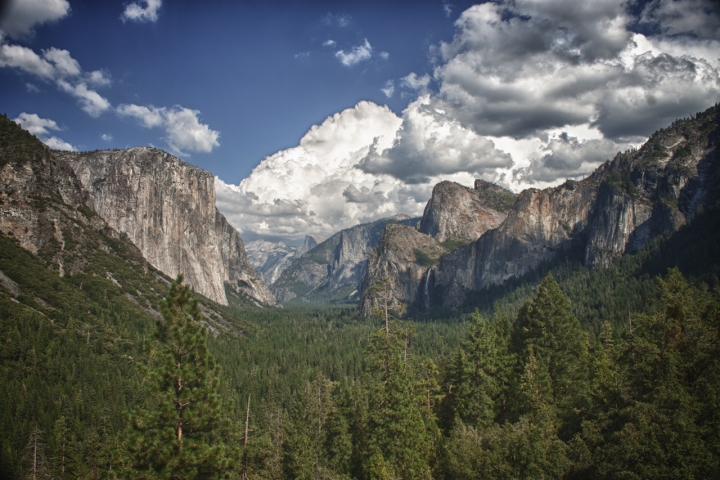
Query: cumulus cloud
24, 15
58, 66
698, 18
431, 144
183, 131
329, 43
106, 137
388, 89
40, 127
324, 184
414, 82
355, 55
568, 157
144, 11
518, 69
528, 93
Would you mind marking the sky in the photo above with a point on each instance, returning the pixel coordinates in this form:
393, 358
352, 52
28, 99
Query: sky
316, 116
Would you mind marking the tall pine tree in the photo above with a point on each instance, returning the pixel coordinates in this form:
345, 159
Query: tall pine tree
181, 438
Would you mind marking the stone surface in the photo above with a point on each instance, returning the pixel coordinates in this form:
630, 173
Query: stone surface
270, 259
43, 206
166, 207
628, 201
400, 255
455, 212
333, 271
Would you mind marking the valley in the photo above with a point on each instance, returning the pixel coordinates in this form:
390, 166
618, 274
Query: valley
548, 325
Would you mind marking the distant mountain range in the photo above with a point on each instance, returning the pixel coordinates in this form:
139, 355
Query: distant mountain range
638, 196
468, 239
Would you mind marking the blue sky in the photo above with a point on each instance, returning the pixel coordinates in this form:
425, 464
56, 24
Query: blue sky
257, 72
316, 116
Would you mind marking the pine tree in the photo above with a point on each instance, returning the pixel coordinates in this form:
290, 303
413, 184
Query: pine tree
35, 460
547, 331
399, 442
182, 437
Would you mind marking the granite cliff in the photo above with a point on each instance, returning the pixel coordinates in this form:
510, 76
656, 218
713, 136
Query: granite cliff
166, 207
270, 259
456, 212
43, 207
333, 271
637, 196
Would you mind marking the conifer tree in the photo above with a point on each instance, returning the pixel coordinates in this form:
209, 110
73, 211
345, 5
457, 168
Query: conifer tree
547, 331
181, 437
399, 443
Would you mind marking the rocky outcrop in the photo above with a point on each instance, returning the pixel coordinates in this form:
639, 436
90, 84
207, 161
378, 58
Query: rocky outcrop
166, 207
456, 212
43, 206
406, 256
628, 201
333, 271
270, 259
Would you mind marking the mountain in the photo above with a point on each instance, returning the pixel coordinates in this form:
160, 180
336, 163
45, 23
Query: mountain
270, 259
332, 272
456, 212
639, 195
166, 207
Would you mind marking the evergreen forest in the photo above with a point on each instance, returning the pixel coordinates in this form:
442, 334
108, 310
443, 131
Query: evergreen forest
570, 373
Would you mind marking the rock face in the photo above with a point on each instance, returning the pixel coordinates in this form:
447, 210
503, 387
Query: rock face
455, 212
333, 271
406, 256
617, 210
167, 209
270, 259
43, 206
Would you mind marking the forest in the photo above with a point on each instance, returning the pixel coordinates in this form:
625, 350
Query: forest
571, 373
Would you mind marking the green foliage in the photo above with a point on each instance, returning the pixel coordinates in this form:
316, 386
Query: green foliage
425, 259
182, 436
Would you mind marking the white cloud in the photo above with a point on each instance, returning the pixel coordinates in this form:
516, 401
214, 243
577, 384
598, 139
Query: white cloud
143, 11
99, 78
24, 15
23, 58
58, 66
149, 117
40, 127
65, 65
384, 55
57, 144
698, 18
518, 69
447, 8
183, 130
416, 83
355, 55
31, 88
36, 125
389, 88
529, 93
430, 144
106, 137
337, 19
311, 188
91, 102
329, 43
303, 54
